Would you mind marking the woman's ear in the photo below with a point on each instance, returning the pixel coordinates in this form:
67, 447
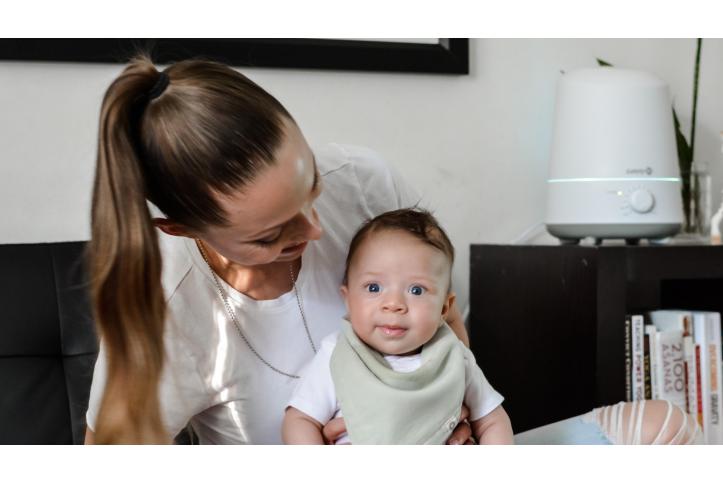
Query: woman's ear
448, 303
172, 228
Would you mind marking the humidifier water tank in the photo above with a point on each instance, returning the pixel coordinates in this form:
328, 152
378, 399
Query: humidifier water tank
613, 168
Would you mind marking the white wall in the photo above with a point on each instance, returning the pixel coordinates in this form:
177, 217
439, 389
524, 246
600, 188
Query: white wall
476, 146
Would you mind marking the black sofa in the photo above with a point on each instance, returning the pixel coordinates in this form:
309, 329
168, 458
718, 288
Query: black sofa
48, 344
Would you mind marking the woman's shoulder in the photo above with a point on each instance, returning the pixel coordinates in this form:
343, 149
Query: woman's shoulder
361, 171
176, 261
364, 161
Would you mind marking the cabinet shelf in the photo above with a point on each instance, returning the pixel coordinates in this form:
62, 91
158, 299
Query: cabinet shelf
546, 323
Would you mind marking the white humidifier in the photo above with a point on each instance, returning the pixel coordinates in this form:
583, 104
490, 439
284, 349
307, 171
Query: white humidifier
614, 165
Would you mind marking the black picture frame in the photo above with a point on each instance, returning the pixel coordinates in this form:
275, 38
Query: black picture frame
447, 56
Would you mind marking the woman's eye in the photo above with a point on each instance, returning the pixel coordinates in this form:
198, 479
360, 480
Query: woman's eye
416, 290
266, 242
373, 288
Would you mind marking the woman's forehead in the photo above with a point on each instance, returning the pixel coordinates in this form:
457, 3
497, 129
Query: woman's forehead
276, 195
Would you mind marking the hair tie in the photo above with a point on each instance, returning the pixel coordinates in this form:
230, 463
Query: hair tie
159, 87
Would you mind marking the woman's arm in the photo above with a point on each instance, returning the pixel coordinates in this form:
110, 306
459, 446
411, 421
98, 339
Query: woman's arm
299, 428
493, 428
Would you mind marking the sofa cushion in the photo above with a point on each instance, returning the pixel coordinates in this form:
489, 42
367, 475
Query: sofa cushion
48, 343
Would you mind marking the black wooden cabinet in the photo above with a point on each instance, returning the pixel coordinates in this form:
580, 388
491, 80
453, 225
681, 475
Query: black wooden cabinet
546, 323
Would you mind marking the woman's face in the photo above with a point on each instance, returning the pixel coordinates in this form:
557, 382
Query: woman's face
273, 218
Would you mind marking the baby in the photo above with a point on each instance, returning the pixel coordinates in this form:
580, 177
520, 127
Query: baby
396, 370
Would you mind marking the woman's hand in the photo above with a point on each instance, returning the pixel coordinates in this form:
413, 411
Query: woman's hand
462, 434
333, 430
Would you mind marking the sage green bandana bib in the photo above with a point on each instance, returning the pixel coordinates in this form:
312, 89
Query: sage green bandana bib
382, 406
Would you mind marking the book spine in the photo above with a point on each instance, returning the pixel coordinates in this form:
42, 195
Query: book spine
691, 378
701, 335
688, 325
646, 368
699, 386
637, 340
659, 364
716, 397
672, 357
628, 360
650, 332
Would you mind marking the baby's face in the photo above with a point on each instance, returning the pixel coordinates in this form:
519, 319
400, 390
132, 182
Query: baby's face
396, 292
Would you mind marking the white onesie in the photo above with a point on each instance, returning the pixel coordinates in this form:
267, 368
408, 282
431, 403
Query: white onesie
315, 394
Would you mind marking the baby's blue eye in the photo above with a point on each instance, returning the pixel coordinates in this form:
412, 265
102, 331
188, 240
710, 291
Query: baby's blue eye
416, 290
373, 288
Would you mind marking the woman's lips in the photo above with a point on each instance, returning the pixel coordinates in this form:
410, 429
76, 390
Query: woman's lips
392, 330
294, 249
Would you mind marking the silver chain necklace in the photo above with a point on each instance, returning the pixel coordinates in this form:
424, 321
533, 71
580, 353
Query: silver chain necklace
232, 314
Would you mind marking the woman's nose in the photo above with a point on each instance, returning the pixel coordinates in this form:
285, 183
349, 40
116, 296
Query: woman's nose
311, 225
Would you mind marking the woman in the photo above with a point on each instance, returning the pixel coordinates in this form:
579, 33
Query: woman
208, 311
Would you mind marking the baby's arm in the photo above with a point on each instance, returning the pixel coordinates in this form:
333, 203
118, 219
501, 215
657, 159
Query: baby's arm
313, 401
300, 429
493, 428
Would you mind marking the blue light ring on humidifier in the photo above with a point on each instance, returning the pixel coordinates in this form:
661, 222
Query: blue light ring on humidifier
626, 207
637, 197
599, 179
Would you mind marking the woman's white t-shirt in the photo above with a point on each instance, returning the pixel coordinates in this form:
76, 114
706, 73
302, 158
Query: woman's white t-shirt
211, 378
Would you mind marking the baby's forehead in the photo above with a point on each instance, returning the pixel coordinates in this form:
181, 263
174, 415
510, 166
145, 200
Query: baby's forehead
395, 232
383, 235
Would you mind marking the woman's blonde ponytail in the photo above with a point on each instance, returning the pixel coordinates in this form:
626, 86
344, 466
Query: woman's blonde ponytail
126, 270
177, 140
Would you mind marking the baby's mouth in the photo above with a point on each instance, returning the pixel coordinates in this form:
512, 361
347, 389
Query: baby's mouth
392, 330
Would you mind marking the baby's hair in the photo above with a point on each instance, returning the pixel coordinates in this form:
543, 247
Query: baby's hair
416, 221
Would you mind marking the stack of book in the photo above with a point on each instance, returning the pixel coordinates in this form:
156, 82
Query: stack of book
675, 355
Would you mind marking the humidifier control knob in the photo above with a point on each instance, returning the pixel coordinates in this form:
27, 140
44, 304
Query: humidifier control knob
642, 201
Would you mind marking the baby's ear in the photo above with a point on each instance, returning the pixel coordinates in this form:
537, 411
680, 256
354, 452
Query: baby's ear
345, 294
448, 303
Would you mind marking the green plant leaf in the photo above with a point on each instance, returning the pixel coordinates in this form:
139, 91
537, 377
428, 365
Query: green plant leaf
696, 73
602, 63
685, 161
684, 155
